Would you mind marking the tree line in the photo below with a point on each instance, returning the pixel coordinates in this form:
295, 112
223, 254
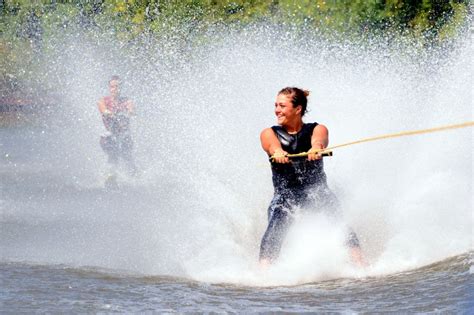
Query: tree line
27, 26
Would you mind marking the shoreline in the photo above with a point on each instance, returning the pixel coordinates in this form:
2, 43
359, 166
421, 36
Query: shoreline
22, 111
14, 104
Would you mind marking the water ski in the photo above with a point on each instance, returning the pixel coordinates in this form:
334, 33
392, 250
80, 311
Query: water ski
111, 182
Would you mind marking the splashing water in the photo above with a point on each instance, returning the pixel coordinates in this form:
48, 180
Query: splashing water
199, 208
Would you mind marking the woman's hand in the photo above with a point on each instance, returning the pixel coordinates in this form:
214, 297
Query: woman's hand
313, 154
280, 156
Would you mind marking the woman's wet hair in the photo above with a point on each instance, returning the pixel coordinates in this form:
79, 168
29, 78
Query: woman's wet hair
298, 97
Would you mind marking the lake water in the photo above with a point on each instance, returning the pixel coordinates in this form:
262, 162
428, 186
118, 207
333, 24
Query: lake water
444, 287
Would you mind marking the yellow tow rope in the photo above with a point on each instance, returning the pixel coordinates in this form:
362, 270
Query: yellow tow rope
328, 151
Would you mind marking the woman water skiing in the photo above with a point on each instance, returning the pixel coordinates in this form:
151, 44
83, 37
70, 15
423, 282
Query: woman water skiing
297, 182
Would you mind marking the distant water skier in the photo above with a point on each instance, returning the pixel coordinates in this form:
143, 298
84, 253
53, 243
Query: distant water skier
117, 143
299, 182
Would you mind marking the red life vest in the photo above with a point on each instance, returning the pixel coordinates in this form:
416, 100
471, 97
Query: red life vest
116, 107
116, 123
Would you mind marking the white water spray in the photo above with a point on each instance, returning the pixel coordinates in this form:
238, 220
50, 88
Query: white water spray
199, 208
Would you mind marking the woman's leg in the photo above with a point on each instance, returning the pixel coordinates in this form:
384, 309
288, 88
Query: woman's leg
279, 221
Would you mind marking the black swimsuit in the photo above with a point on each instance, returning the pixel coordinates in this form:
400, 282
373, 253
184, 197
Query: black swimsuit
298, 183
300, 174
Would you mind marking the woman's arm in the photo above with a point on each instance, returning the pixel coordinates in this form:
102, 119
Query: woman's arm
319, 140
272, 146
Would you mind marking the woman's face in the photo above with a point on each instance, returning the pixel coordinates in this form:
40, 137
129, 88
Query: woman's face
284, 110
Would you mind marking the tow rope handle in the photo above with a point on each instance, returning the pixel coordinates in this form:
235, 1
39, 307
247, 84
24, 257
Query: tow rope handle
323, 153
